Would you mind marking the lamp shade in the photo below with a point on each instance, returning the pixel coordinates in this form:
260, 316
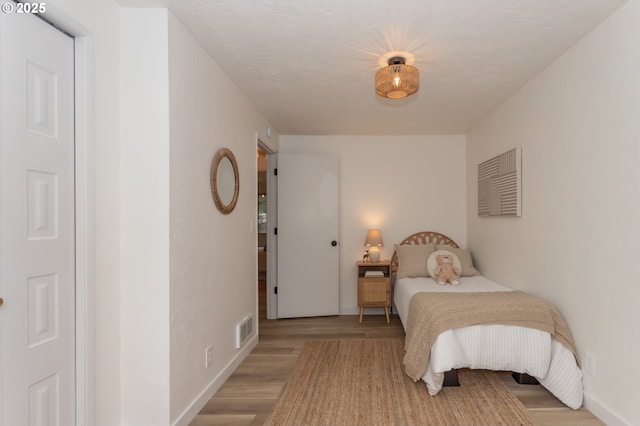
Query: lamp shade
374, 238
397, 80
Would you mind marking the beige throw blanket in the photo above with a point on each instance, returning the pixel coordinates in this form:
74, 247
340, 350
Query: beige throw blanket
430, 314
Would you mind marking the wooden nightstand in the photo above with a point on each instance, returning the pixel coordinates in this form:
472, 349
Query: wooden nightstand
374, 291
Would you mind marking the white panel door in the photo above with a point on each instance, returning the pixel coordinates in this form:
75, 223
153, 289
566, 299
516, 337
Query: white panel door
308, 235
37, 318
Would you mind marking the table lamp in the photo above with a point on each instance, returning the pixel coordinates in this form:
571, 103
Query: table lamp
373, 241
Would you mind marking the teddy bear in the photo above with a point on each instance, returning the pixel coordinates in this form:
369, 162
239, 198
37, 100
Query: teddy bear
445, 271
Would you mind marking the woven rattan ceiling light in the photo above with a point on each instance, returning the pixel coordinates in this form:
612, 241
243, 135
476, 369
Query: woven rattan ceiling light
397, 80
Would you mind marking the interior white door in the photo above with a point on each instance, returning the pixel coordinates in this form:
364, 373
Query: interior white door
272, 239
308, 235
38, 242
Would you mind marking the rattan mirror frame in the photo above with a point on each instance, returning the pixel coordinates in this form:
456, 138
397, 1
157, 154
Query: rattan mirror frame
215, 190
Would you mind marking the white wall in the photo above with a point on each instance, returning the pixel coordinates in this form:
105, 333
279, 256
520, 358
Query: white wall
188, 271
577, 240
145, 216
400, 184
213, 255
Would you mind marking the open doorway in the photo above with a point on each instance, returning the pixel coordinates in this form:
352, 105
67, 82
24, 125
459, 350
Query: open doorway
262, 232
267, 241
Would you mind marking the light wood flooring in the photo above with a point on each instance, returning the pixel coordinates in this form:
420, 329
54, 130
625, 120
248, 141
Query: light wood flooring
249, 393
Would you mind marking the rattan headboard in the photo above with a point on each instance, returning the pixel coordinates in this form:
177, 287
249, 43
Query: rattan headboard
423, 238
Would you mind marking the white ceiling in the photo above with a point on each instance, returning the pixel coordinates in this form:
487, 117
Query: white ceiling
308, 65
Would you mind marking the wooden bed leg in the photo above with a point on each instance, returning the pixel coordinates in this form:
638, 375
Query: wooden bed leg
451, 378
524, 379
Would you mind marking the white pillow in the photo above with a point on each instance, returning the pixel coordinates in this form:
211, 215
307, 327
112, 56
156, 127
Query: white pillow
432, 262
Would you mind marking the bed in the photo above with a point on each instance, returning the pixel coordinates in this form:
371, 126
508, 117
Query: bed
507, 330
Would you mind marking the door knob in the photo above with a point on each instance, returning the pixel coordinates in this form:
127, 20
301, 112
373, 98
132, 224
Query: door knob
334, 243
1, 301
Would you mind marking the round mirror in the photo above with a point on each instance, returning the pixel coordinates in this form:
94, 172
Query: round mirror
225, 183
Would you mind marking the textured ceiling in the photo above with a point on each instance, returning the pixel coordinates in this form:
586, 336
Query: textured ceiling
308, 65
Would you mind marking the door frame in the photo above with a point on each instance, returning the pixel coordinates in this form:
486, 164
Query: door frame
85, 243
84, 211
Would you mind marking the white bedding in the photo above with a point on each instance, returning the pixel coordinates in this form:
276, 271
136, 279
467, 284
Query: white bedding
493, 347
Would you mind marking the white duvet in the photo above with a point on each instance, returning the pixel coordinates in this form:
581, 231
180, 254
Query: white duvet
493, 347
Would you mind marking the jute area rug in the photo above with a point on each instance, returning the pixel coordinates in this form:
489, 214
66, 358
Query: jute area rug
362, 382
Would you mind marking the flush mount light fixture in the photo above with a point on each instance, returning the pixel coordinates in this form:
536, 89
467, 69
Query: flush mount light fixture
398, 80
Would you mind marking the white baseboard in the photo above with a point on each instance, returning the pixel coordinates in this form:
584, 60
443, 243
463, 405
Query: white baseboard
194, 408
603, 412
